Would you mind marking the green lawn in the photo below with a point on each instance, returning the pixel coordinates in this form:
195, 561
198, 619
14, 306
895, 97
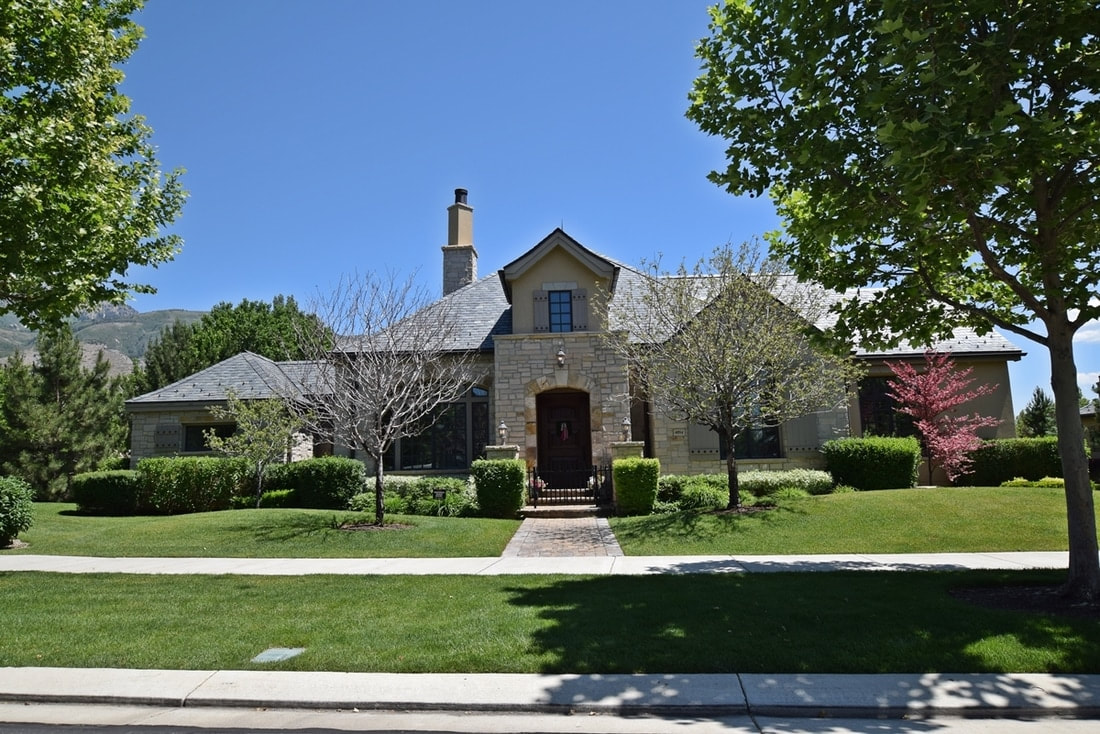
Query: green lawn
892, 521
829, 622
59, 530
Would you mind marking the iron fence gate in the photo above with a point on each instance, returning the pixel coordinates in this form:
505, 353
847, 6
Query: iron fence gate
570, 485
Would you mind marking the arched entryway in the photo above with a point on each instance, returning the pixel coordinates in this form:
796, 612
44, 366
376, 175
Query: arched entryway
564, 438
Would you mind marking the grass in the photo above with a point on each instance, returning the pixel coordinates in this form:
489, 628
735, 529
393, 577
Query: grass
969, 519
839, 622
893, 521
59, 530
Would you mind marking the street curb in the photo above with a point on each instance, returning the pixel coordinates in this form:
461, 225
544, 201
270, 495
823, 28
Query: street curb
786, 695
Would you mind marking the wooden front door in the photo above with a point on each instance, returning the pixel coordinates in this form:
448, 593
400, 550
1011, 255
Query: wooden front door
565, 440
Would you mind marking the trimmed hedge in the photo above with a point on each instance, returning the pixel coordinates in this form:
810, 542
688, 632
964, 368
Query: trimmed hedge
500, 486
325, 483
873, 462
106, 492
16, 509
635, 481
182, 484
1003, 459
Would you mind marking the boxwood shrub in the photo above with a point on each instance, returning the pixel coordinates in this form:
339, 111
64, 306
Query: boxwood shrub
16, 509
873, 462
635, 482
1003, 459
181, 484
500, 486
106, 492
326, 483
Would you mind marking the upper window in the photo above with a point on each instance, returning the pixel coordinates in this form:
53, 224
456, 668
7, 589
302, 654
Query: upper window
561, 311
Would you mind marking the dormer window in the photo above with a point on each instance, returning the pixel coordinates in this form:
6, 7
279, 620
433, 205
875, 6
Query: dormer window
561, 311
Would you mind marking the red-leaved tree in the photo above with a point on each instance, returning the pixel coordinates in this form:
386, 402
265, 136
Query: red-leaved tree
932, 397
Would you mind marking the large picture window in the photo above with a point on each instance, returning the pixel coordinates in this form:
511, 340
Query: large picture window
458, 436
878, 411
194, 435
754, 443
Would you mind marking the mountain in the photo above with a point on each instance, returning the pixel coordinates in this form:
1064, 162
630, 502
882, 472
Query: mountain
120, 331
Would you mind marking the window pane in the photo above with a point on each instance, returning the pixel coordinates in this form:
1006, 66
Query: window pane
878, 410
561, 311
194, 438
755, 443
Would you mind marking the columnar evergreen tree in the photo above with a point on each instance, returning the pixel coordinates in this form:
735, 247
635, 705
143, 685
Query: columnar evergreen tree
1037, 417
60, 418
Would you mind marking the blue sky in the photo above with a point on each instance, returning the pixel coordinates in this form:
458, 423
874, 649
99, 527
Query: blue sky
328, 136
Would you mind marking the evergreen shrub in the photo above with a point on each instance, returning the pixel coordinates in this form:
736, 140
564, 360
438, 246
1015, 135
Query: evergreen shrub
106, 492
873, 462
182, 484
325, 483
499, 484
16, 509
1003, 459
635, 481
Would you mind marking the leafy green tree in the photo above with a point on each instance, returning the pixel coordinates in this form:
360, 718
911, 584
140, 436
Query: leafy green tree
265, 430
82, 196
946, 151
61, 418
267, 329
1037, 417
735, 349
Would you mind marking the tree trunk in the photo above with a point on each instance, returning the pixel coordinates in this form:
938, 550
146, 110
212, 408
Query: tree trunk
731, 475
259, 483
379, 505
1083, 582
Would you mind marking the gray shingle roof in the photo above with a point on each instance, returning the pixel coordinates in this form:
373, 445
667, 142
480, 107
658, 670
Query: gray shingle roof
249, 376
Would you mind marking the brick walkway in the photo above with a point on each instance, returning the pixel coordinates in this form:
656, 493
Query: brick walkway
575, 536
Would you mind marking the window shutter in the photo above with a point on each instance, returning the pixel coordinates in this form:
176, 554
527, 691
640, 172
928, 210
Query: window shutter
580, 309
542, 312
702, 440
166, 437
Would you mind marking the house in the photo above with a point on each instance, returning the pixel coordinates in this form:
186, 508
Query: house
549, 384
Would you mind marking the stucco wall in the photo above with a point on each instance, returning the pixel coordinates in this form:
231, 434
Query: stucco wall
557, 270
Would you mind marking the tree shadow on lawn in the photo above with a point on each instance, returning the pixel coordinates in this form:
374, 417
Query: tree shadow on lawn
702, 525
845, 622
280, 528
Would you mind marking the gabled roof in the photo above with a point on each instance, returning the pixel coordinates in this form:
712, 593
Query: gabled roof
595, 262
249, 376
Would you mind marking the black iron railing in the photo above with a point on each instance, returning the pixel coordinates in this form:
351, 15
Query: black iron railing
590, 485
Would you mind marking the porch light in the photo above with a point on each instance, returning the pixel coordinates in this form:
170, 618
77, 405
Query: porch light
561, 357
502, 433
626, 428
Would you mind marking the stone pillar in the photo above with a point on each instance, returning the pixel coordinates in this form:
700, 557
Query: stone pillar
627, 450
508, 451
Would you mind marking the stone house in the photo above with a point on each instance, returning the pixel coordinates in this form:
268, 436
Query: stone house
550, 385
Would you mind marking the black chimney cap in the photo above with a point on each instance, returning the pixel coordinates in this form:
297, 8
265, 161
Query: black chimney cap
460, 196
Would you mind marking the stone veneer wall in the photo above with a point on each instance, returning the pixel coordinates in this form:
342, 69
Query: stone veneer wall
145, 442
526, 365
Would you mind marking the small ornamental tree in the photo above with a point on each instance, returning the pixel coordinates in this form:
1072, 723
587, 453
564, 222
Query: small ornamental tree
932, 397
265, 429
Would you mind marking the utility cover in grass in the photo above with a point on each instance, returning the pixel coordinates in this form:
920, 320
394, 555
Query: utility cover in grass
277, 654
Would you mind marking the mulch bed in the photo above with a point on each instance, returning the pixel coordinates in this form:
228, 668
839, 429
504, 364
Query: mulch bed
1029, 599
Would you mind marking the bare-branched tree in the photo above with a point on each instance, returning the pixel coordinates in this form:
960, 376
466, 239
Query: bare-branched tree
730, 344
391, 370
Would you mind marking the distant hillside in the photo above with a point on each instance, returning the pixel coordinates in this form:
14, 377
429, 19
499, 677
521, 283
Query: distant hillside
120, 331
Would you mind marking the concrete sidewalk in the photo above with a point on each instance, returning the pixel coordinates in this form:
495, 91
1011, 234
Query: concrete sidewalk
878, 696
513, 565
